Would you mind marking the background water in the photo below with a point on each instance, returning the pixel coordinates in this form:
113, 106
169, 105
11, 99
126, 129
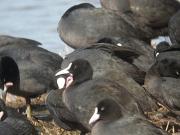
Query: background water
36, 19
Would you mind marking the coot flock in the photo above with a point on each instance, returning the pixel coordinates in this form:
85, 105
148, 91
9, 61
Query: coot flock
110, 81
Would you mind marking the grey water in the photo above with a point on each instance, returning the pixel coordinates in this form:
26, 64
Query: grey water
37, 19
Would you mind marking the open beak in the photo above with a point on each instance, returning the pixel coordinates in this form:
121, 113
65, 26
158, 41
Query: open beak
64, 71
64, 82
64, 77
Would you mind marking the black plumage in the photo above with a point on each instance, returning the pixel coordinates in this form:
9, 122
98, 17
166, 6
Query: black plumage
117, 64
84, 24
29, 68
163, 79
17, 123
109, 119
174, 30
81, 92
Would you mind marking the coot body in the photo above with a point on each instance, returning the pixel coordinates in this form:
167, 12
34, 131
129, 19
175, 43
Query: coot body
16, 122
114, 63
162, 80
174, 30
109, 119
84, 24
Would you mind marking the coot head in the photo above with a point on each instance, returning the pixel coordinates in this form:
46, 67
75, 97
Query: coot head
162, 46
168, 68
106, 110
76, 72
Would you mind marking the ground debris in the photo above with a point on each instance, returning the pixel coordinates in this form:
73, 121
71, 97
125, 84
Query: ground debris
162, 118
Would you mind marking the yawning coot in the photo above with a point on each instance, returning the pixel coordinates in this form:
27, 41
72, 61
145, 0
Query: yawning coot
82, 92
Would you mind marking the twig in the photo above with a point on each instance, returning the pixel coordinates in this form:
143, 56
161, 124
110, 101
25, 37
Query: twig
167, 126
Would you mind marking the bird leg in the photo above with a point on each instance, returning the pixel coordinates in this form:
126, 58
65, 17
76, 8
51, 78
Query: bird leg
28, 109
2, 95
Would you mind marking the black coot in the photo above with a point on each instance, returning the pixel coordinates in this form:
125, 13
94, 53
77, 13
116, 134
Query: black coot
61, 114
155, 11
115, 63
29, 69
82, 93
110, 119
145, 10
84, 24
163, 79
16, 122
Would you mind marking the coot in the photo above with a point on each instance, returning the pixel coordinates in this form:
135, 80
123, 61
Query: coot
16, 122
84, 24
109, 119
29, 68
115, 63
82, 93
61, 114
163, 79
155, 11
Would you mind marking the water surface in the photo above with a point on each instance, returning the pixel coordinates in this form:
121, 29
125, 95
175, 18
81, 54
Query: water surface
36, 19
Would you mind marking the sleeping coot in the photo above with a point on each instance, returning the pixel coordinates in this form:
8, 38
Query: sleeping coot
84, 24
27, 70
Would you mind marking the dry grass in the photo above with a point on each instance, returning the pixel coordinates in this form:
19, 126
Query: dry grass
161, 118
50, 128
166, 120
43, 127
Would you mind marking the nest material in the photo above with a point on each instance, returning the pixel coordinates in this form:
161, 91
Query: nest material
162, 118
